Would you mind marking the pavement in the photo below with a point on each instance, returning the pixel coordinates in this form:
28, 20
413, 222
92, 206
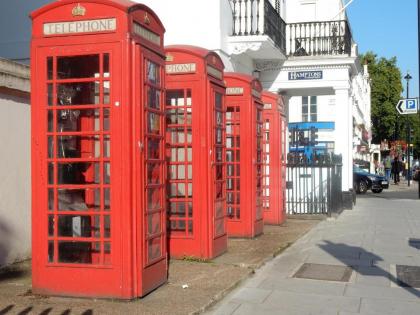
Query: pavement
353, 264
205, 282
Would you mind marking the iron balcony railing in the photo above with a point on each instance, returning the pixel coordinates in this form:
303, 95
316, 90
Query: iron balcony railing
319, 38
259, 17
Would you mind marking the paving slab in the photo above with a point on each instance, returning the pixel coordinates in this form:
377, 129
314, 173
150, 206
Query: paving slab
207, 282
371, 239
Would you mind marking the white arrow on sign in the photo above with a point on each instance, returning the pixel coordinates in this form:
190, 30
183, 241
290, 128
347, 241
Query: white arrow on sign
407, 106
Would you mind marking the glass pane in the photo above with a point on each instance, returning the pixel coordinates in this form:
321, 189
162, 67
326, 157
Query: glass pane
153, 72
107, 147
313, 100
50, 123
305, 100
107, 226
153, 123
153, 149
153, 173
50, 225
107, 199
50, 251
106, 65
218, 136
219, 99
78, 173
153, 199
78, 67
69, 120
107, 173
78, 147
174, 97
79, 199
106, 122
82, 93
154, 249
50, 95
107, 87
50, 199
78, 226
153, 98
51, 173
50, 147
153, 223
50, 70
107, 253
77, 252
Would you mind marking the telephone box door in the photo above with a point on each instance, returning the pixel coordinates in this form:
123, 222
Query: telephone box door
219, 169
76, 140
150, 191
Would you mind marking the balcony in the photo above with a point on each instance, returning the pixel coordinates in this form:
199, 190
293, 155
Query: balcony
326, 38
258, 27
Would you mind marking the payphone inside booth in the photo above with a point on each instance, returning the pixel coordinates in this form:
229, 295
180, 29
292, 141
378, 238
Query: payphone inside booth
98, 171
195, 137
244, 155
274, 173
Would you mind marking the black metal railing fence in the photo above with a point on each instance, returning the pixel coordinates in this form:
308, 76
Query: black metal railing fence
319, 38
259, 17
313, 187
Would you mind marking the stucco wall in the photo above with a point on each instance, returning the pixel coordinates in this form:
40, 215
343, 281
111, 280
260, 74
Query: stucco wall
15, 183
15, 192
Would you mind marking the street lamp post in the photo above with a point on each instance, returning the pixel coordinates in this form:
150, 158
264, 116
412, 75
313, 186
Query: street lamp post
408, 77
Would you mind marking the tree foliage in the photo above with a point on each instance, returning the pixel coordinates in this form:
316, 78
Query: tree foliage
386, 89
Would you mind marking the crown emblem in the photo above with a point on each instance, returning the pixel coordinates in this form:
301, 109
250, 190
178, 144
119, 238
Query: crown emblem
78, 10
146, 19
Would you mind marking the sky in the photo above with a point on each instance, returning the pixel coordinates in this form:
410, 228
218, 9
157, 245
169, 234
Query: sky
388, 28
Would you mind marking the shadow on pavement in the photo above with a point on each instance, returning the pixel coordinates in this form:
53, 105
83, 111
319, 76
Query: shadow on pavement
29, 309
5, 236
414, 242
337, 249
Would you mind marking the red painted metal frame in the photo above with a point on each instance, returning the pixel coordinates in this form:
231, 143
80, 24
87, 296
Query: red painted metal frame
195, 153
274, 159
124, 248
244, 155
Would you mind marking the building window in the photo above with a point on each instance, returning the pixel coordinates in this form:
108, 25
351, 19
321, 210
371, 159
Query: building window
309, 108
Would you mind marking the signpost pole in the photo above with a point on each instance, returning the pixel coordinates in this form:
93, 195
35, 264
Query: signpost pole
408, 77
418, 53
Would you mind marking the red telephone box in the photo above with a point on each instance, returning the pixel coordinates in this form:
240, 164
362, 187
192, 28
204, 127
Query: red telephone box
98, 184
244, 152
274, 175
195, 136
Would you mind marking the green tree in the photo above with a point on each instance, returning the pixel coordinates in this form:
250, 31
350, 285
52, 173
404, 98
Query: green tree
386, 89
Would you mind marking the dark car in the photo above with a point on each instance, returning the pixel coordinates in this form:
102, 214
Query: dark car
363, 181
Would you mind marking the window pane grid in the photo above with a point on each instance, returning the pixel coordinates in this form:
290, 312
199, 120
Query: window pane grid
219, 160
259, 163
233, 163
266, 165
178, 108
154, 159
79, 226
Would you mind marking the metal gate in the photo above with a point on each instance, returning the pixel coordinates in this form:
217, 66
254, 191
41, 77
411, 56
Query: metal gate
313, 187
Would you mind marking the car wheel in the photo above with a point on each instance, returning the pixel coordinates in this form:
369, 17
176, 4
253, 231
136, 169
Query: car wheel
363, 187
377, 191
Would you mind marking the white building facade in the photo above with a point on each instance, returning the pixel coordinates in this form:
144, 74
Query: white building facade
301, 49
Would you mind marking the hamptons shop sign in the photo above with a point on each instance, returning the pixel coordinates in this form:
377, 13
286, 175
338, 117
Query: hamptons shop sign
305, 75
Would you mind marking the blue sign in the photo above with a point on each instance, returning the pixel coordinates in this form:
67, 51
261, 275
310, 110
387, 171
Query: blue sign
407, 106
305, 75
411, 104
